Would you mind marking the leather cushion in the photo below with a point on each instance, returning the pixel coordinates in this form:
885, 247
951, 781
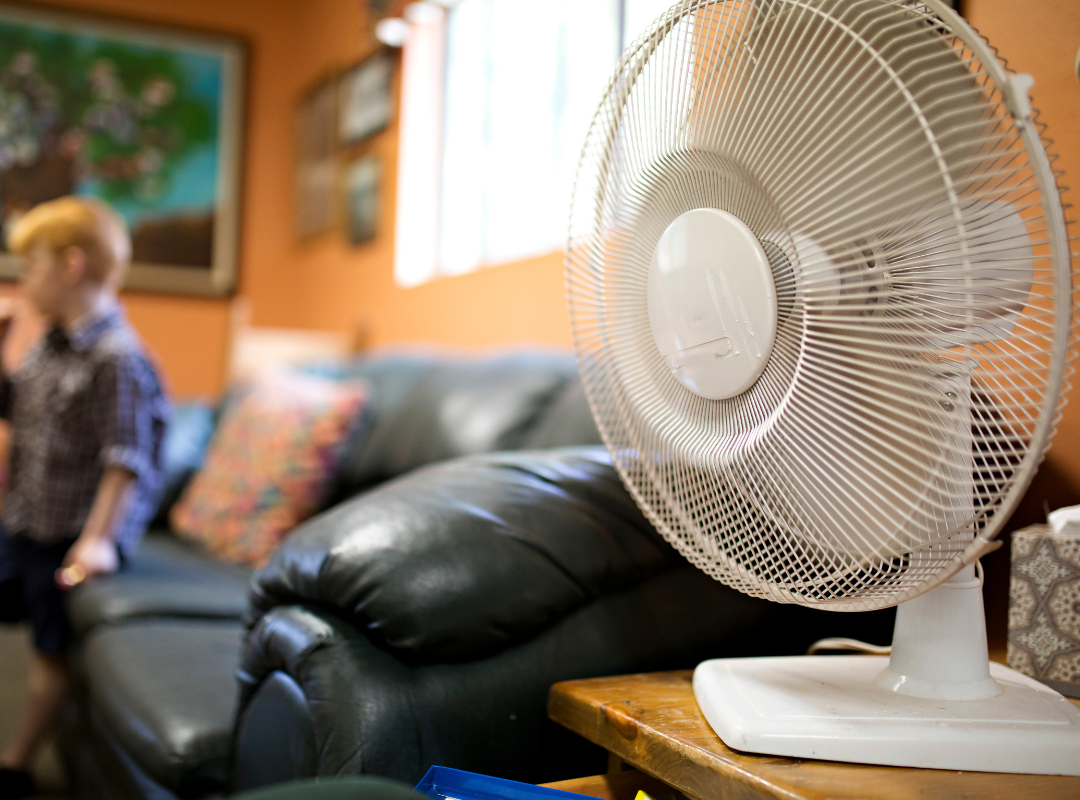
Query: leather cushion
390, 379
165, 691
166, 577
567, 421
451, 408
100, 768
462, 558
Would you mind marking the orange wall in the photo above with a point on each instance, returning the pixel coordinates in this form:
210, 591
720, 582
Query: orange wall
332, 285
1041, 37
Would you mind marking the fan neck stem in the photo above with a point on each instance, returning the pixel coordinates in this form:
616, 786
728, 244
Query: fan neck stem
939, 644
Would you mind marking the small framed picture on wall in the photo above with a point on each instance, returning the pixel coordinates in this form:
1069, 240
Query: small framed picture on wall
362, 199
316, 163
364, 98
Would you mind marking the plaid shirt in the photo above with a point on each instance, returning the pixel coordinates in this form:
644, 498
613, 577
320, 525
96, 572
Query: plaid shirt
82, 401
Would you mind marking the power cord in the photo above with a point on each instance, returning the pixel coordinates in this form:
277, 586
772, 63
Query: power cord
855, 646
849, 646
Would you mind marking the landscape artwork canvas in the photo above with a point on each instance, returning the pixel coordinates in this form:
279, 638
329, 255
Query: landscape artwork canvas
143, 117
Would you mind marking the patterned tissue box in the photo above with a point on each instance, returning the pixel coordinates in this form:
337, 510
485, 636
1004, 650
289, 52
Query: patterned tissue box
1044, 607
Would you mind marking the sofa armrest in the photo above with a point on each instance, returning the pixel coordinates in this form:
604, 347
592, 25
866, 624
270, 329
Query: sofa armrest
459, 560
371, 712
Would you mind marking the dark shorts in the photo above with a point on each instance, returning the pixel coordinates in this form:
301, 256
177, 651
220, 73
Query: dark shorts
28, 590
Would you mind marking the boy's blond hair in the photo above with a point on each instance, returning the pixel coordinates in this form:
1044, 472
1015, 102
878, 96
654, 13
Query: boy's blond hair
82, 222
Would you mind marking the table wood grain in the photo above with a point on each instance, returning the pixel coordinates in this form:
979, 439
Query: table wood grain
652, 722
618, 786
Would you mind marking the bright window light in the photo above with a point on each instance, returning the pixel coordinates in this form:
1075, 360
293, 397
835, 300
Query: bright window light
417, 214
521, 88
638, 15
494, 115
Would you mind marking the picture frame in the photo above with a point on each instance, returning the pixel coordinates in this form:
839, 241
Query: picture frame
316, 160
146, 117
365, 104
361, 195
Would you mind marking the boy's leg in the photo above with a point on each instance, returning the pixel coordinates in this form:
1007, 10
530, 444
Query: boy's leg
46, 692
42, 603
14, 782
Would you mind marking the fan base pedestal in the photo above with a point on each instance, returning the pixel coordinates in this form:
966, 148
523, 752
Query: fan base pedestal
828, 707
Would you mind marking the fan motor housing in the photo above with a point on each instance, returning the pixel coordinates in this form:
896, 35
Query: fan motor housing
712, 303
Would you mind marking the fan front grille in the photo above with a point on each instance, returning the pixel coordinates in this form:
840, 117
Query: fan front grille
923, 284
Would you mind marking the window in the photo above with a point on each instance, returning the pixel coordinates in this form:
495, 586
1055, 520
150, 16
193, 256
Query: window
497, 98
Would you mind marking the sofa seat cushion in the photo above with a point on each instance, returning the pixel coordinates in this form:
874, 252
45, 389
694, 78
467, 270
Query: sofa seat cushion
166, 578
461, 559
165, 691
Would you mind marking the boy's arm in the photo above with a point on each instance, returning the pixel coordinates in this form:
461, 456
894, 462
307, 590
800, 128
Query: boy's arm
123, 415
94, 552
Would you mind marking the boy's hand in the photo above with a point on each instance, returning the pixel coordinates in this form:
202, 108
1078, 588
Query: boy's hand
89, 556
94, 552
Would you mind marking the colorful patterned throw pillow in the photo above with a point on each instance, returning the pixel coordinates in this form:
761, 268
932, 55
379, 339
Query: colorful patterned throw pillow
269, 465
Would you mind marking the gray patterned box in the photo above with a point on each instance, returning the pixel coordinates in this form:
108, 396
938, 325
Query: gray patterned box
1044, 607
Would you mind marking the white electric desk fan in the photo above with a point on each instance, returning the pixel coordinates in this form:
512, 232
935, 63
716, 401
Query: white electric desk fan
819, 283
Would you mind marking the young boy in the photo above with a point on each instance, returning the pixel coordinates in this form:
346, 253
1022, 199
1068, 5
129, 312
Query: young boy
87, 416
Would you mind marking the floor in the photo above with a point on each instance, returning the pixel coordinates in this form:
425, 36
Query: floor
14, 660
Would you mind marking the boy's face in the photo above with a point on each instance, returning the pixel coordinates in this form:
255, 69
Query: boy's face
44, 281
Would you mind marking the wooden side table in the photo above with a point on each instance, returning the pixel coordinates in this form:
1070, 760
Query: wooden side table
619, 786
652, 722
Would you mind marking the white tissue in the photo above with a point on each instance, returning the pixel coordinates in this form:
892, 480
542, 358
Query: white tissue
1066, 520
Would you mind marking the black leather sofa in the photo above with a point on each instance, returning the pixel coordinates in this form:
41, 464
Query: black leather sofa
468, 559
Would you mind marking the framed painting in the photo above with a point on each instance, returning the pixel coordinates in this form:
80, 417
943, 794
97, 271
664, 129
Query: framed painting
365, 105
146, 118
316, 163
362, 200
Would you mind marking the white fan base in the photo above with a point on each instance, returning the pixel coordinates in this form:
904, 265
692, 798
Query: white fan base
828, 707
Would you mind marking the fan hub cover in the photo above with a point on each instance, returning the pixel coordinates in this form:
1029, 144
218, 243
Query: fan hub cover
712, 303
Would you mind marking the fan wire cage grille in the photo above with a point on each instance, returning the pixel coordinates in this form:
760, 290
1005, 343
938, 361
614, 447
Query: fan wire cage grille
917, 242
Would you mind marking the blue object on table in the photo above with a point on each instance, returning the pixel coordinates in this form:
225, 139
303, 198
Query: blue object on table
442, 783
